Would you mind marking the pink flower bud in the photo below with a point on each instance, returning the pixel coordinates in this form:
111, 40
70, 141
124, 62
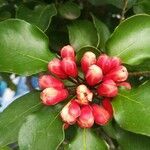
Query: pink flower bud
70, 112
46, 81
52, 96
68, 51
118, 74
94, 75
107, 105
108, 88
69, 67
86, 119
125, 84
84, 95
101, 115
115, 62
104, 62
87, 60
74, 109
54, 67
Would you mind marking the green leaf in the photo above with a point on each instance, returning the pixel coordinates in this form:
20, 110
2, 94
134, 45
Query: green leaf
132, 109
5, 148
102, 32
87, 140
23, 48
81, 34
117, 3
69, 10
46, 131
13, 117
131, 141
41, 15
81, 52
4, 15
130, 40
142, 6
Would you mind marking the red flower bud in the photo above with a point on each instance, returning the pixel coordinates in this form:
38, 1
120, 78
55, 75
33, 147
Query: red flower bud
101, 115
94, 75
74, 109
52, 96
54, 67
108, 88
125, 84
115, 62
84, 95
86, 119
68, 51
104, 62
46, 81
107, 105
69, 67
87, 60
70, 112
118, 74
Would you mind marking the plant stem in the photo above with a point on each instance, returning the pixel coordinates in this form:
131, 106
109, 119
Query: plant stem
124, 10
108, 139
72, 80
141, 73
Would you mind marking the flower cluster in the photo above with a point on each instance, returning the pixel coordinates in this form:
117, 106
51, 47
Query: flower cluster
101, 78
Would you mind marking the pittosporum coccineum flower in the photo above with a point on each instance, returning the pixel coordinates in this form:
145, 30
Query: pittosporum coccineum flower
100, 78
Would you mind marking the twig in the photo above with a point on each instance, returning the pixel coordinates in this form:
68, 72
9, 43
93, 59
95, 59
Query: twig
141, 73
124, 10
108, 139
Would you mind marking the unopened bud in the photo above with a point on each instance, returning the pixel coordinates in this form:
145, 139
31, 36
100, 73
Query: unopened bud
70, 112
118, 74
87, 60
54, 67
68, 51
127, 85
107, 105
52, 96
69, 67
74, 109
46, 81
94, 75
84, 95
103, 62
108, 88
115, 62
101, 115
86, 119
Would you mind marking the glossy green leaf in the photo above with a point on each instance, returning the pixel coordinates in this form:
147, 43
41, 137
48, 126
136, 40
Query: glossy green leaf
69, 10
142, 6
130, 40
102, 32
117, 3
41, 15
131, 141
46, 131
13, 117
5, 15
132, 109
23, 48
87, 140
81, 34
5, 148
81, 52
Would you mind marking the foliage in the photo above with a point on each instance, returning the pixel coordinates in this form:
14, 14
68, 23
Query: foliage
31, 34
